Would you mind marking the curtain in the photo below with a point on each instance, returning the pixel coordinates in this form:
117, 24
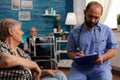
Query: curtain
110, 11
79, 6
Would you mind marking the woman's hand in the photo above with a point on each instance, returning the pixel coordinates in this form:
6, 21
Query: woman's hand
36, 72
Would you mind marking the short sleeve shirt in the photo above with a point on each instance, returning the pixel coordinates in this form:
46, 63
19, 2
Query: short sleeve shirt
98, 40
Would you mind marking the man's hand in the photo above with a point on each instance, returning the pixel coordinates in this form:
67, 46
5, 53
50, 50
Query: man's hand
80, 53
50, 35
99, 61
28, 49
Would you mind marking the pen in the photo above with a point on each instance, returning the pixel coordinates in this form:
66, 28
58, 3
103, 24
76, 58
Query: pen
78, 49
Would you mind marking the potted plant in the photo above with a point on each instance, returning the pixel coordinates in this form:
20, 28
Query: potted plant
118, 22
63, 36
55, 23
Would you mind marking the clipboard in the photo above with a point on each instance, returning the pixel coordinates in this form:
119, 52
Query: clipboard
87, 59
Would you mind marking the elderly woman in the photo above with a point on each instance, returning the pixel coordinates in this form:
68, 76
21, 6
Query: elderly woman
15, 64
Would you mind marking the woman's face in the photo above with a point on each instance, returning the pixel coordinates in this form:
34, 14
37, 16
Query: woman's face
17, 33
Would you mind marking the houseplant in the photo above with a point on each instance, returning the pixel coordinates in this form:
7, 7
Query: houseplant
118, 22
55, 23
63, 36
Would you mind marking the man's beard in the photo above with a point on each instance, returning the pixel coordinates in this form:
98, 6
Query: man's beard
90, 24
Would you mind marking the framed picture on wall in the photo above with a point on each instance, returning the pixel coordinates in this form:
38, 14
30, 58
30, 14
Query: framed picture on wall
24, 15
15, 4
27, 5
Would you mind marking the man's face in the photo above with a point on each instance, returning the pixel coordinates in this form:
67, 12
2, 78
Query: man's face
92, 16
33, 32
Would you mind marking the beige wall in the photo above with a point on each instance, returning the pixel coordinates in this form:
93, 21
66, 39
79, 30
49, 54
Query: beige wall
115, 61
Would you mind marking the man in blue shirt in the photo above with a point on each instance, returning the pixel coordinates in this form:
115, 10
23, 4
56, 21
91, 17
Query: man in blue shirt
89, 38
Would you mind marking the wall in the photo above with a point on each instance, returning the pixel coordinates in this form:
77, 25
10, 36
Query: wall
44, 24
115, 61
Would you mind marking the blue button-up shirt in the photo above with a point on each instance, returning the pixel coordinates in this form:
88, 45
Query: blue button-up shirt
98, 40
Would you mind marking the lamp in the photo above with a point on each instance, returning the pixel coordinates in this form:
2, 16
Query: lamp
71, 19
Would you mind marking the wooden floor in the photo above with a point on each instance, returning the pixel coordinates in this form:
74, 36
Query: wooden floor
116, 74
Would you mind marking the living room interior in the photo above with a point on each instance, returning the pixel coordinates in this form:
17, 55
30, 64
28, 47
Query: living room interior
50, 17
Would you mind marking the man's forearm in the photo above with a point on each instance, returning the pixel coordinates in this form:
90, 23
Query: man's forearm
109, 54
73, 54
